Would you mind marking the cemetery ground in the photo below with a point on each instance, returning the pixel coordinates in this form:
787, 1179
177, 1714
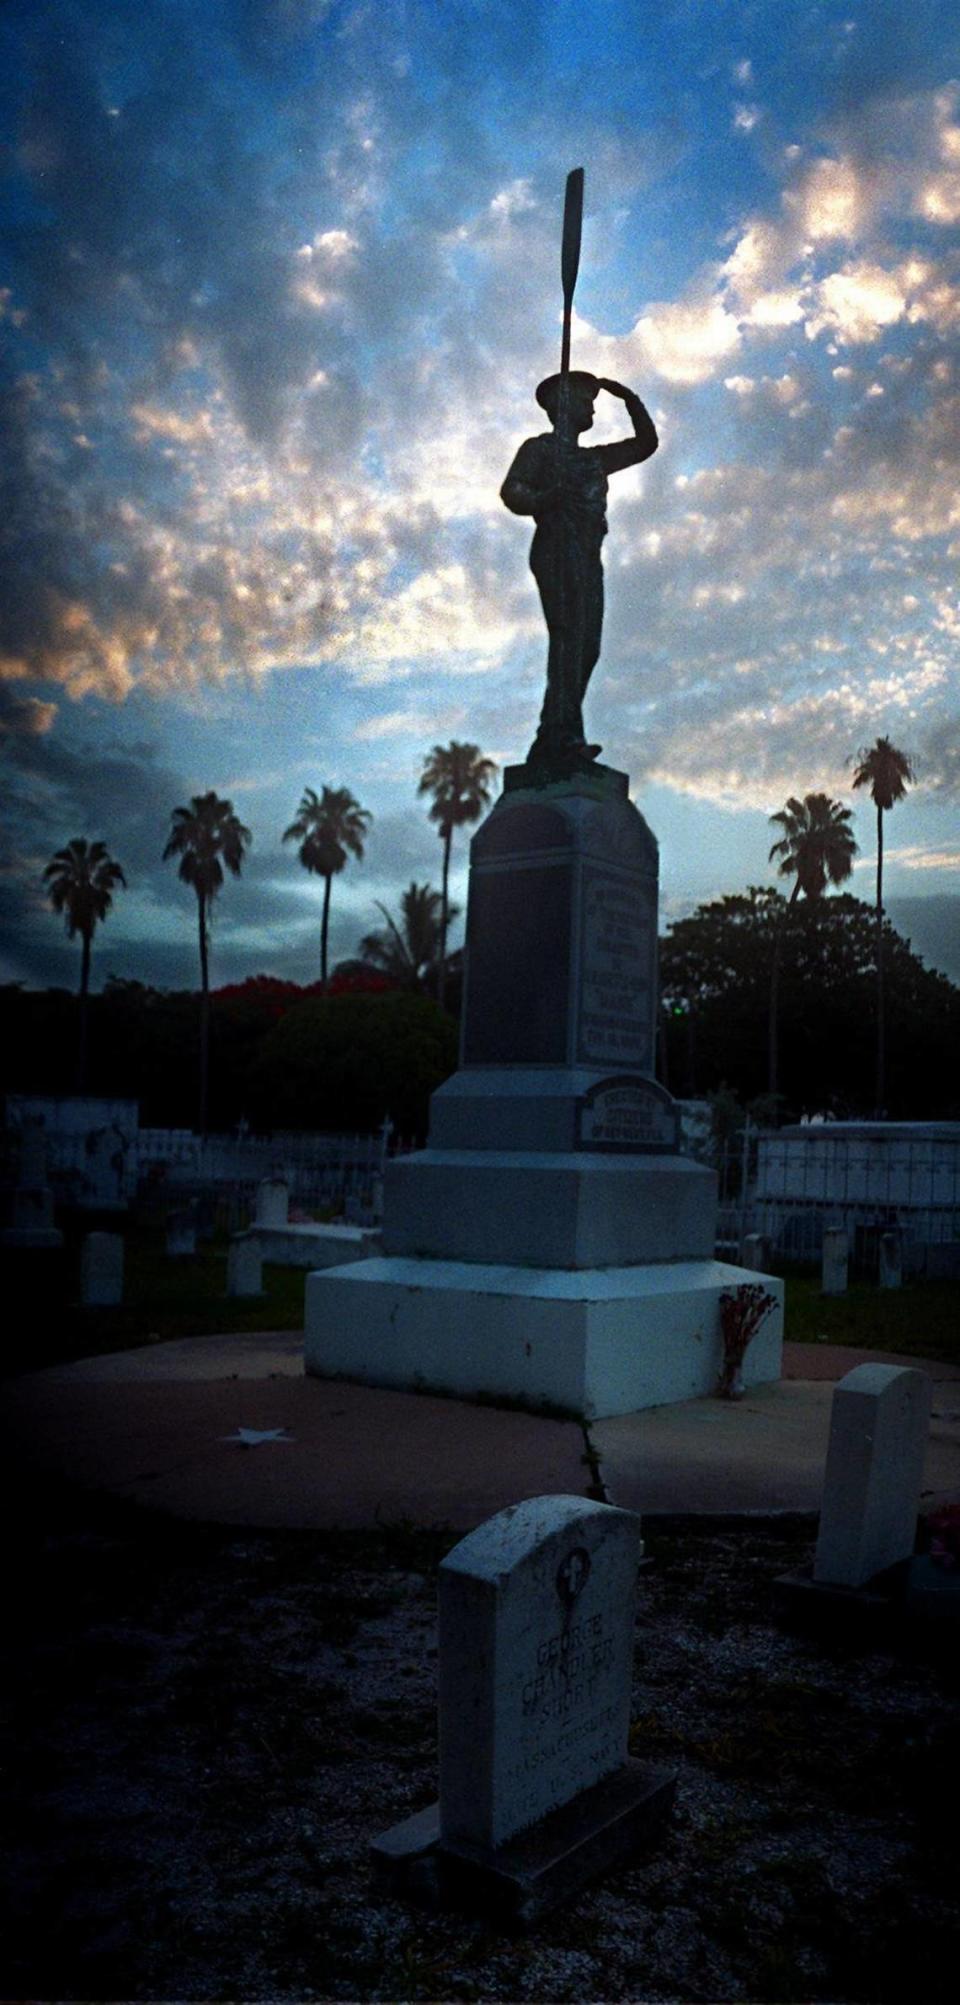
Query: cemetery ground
168, 1297
206, 1726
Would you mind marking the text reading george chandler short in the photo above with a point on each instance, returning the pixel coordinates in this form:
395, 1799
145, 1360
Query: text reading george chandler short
563, 485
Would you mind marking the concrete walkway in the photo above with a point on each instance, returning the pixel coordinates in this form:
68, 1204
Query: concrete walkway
165, 1425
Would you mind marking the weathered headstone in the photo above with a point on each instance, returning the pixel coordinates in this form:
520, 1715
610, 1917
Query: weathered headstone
244, 1265
755, 1253
101, 1270
537, 1792
879, 1423
273, 1202
891, 1260
181, 1233
834, 1263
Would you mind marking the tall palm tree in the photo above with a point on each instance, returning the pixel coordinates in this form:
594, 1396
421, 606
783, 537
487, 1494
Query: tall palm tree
206, 835
459, 779
408, 949
81, 880
327, 829
887, 772
817, 848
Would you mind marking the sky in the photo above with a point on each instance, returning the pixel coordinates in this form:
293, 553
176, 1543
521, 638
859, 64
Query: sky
278, 280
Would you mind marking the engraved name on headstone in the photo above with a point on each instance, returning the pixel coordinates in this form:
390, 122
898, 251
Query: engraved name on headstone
536, 1648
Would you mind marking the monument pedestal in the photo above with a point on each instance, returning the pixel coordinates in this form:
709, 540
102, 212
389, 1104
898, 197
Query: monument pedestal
550, 1246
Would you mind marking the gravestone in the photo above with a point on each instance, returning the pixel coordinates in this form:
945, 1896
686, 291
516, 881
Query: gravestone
834, 1261
181, 1233
879, 1424
101, 1270
244, 1265
537, 1791
755, 1253
891, 1260
273, 1202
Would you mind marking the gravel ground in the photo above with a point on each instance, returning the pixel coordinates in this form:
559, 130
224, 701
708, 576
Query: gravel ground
204, 1730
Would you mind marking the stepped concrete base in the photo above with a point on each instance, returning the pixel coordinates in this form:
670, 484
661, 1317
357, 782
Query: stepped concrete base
563, 1210
606, 1341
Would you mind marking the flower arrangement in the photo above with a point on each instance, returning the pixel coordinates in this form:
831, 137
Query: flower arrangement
742, 1310
944, 1529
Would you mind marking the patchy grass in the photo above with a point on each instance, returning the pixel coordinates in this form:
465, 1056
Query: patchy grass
163, 1297
921, 1319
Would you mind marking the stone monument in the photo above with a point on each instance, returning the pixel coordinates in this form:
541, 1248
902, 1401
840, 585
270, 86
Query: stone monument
551, 1244
537, 1791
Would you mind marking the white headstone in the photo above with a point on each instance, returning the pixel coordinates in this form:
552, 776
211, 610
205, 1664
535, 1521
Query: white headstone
834, 1268
273, 1202
755, 1252
891, 1260
879, 1423
536, 1649
181, 1233
244, 1266
101, 1270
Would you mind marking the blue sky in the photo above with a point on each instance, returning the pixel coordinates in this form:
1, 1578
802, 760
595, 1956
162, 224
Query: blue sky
278, 280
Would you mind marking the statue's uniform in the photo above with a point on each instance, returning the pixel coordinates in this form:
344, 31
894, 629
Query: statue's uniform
565, 560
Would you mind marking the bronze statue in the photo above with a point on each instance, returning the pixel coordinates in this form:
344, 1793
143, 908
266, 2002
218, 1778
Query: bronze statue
564, 487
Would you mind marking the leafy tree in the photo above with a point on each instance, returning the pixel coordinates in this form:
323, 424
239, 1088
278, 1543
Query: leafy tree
408, 949
341, 1063
459, 778
717, 961
206, 836
81, 880
817, 847
328, 829
887, 772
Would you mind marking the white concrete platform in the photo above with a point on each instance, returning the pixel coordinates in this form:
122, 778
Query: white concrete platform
314, 1245
604, 1341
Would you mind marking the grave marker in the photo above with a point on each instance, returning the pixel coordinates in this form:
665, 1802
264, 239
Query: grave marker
273, 1202
834, 1265
101, 1270
181, 1233
244, 1265
537, 1791
879, 1423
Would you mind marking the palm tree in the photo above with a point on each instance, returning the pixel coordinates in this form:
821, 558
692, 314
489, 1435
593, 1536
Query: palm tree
886, 771
816, 848
326, 829
459, 779
81, 881
206, 835
408, 949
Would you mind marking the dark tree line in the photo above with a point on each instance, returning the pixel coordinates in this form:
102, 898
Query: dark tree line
285, 1056
715, 985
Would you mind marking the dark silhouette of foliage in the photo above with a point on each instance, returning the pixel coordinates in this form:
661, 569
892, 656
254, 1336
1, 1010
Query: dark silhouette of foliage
459, 778
81, 880
407, 950
206, 836
328, 828
341, 1063
817, 848
715, 964
887, 772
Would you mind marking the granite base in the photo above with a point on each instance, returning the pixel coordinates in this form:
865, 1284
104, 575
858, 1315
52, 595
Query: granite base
597, 1343
534, 1872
